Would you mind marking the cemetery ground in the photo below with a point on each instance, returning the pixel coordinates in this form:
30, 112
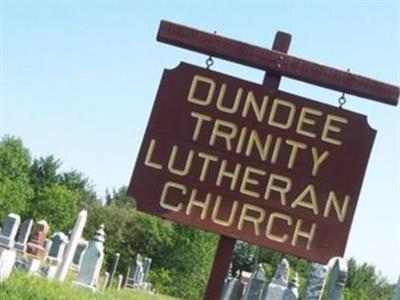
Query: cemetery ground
21, 286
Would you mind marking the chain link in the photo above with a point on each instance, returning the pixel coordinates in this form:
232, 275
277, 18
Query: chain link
210, 60
342, 99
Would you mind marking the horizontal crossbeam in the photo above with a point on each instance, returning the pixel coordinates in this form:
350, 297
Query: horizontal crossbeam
277, 63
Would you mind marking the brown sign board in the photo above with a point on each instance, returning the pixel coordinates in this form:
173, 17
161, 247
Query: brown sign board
268, 167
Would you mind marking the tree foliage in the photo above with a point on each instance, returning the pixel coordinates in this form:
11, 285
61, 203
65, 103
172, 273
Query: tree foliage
15, 190
181, 255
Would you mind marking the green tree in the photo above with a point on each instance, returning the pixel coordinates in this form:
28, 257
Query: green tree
120, 198
189, 261
58, 205
15, 189
364, 282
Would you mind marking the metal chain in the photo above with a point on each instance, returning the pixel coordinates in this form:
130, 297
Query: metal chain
342, 99
210, 60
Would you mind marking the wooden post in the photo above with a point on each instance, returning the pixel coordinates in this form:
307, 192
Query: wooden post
220, 268
224, 253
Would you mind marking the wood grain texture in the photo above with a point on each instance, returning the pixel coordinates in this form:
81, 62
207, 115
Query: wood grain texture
277, 63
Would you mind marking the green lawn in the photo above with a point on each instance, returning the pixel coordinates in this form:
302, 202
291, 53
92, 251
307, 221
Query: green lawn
23, 287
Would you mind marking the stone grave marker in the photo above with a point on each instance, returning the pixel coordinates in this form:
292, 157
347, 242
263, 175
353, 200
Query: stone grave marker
292, 293
23, 235
255, 285
397, 292
119, 282
113, 269
337, 279
78, 255
36, 246
134, 276
92, 262
10, 229
73, 242
279, 282
315, 282
7, 253
146, 267
55, 254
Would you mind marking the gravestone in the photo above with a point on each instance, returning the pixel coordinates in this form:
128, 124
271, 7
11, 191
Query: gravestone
47, 245
337, 279
55, 254
134, 276
315, 282
23, 235
106, 279
255, 286
59, 243
119, 282
7, 253
397, 292
92, 261
146, 267
36, 246
113, 269
9, 231
78, 255
231, 287
279, 282
73, 242
292, 293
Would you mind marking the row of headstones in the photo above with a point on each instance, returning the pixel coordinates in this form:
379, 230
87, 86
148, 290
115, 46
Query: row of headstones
252, 286
135, 278
51, 258
43, 256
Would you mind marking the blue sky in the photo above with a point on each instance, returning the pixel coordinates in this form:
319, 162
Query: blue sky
78, 80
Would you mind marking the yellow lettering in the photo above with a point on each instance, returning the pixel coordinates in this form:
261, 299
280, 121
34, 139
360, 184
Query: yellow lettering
255, 220
303, 119
271, 186
163, 200
192, 92
228, 137
299, 201
202, 204
247, 180
149, 154
309, 235
340, 211
270, 235
329, 127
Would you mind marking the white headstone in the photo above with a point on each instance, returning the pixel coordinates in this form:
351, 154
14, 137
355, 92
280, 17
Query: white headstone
119, 282
292, 292
78, 255
74, 240
92, 261
255, 286
9, 231
106, 279
7, 260
315, 282
279, 282
337, 279
397, 292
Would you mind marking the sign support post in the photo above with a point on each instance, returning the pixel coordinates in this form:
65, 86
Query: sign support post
223, 255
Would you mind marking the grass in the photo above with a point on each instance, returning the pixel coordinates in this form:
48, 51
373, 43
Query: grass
21, 286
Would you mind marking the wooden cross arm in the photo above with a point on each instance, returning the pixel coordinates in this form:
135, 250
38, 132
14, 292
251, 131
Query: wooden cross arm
277, 63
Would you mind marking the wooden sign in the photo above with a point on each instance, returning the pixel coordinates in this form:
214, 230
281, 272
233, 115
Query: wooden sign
268, 167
